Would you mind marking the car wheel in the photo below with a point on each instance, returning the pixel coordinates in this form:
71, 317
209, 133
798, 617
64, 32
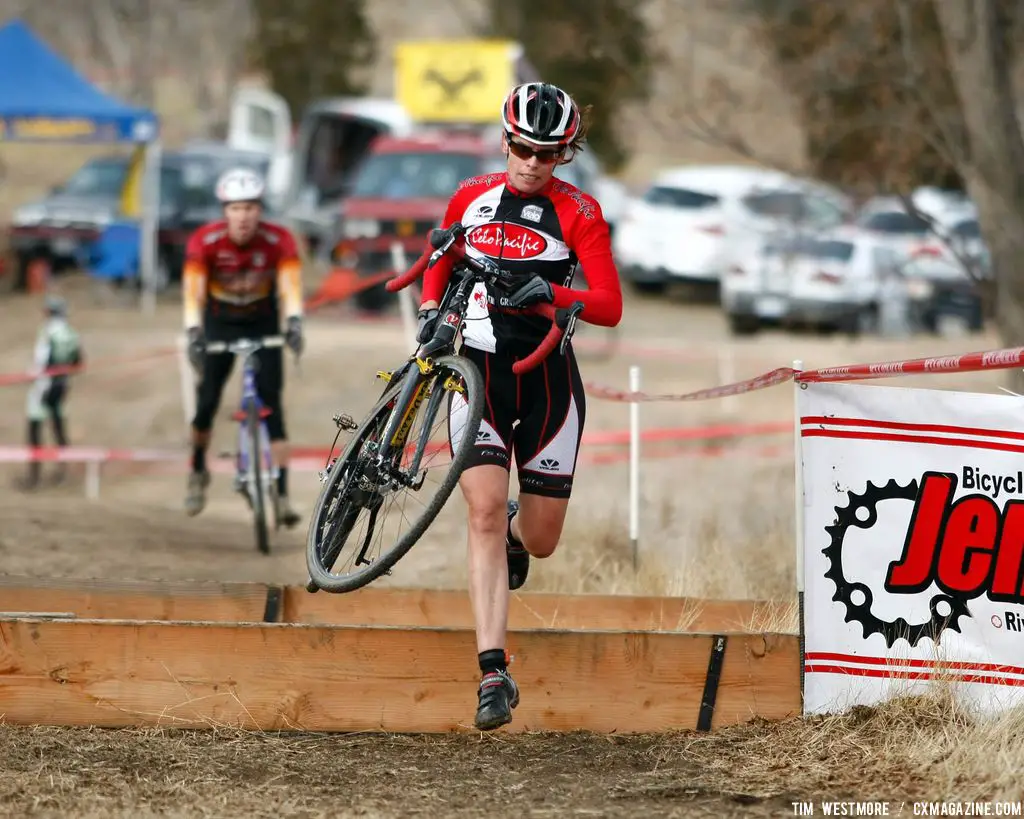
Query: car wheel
863, 322
650, 288
743, 325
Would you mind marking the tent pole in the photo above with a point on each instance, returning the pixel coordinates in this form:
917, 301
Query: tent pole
149, 225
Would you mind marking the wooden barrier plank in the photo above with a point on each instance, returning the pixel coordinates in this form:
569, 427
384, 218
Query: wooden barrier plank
294, 677
136, 600
381, 606
531, 610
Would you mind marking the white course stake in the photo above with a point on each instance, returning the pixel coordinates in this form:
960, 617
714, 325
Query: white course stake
188, 395
405, 305
634, 464
798, 475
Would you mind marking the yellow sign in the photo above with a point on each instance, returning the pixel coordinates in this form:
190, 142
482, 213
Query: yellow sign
131, 193
51, 128
454, 80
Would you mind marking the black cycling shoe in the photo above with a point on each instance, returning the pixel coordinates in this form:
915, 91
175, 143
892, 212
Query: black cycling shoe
518, 557
498, 696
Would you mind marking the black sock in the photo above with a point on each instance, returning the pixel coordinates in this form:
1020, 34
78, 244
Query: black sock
516, 544
282, 481
492, 660
198, 459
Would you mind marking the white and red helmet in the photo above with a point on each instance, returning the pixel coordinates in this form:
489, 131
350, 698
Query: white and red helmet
542, 113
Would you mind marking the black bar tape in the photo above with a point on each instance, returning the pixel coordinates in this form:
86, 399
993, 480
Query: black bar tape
707, 700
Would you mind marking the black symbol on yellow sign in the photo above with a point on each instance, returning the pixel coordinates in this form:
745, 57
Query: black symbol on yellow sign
452, 86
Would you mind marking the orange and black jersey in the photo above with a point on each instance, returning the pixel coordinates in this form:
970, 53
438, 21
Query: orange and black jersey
226, 282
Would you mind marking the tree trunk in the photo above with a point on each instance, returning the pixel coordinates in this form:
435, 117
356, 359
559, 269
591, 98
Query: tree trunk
981, 67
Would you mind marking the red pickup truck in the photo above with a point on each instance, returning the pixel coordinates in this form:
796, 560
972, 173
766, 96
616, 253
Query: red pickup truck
399, 192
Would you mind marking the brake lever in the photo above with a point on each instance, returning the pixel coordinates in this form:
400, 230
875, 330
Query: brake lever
454, 232
570, 326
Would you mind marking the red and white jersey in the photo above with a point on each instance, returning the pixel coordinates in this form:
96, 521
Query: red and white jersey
548, 233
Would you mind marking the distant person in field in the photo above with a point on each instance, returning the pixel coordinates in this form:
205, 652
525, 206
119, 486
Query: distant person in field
58, 348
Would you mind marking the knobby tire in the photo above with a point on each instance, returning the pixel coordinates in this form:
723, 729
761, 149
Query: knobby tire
259, 509
374, 421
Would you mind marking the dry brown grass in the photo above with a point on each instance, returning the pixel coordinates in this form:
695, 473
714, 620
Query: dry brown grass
920, 748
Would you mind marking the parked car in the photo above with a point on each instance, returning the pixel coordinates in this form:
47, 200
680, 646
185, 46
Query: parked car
63, 226
932, 257
397, 194
692, 222
830, 280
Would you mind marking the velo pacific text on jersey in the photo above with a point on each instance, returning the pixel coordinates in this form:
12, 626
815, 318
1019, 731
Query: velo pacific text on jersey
241, 282
547, 234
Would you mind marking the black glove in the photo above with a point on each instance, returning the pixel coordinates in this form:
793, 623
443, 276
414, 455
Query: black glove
293, 335
427, 323
196, 348
534, 291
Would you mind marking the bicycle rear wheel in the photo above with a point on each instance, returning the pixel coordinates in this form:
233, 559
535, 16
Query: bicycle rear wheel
353, 517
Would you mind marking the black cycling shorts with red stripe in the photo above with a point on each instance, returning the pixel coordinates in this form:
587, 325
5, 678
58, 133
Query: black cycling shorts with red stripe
537, 416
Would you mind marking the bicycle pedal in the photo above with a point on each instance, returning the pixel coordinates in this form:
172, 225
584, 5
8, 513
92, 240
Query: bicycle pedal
385, 375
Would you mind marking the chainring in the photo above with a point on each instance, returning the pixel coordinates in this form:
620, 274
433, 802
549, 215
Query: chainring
891, 631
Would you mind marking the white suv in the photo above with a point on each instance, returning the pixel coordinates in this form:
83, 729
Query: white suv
832, 279
691, 223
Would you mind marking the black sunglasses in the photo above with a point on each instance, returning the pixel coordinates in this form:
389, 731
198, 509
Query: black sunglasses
544, 155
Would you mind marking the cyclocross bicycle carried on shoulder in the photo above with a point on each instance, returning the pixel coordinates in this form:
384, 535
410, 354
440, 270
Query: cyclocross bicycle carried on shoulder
390, 453
255, 472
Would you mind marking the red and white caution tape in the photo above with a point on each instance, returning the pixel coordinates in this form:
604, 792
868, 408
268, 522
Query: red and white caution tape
768, 379
968, 362
9, 379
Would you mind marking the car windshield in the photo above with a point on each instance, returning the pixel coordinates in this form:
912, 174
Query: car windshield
776, 204
199, 173
969, 229
824, 249
830, 250
681, 198
430, 175
103, 177
896, 222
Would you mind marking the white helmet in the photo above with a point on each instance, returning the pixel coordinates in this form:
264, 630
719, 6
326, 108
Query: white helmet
240, 185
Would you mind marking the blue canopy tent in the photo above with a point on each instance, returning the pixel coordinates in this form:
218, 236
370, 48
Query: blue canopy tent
44, 99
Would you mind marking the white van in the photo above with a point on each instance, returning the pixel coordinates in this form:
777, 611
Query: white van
311, 168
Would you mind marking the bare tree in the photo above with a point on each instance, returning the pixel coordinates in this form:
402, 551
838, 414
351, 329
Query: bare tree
977, 36
892, 94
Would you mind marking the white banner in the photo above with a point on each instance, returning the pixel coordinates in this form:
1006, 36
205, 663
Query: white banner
913, 544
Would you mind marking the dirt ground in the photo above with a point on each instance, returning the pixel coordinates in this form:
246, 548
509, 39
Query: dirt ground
909, 749
713, 526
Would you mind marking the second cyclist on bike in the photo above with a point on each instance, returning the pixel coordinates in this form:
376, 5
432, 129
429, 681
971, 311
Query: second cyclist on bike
537, 228
241, 273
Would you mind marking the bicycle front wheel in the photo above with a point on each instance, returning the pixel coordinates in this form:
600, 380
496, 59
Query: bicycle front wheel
381, 496
259, 504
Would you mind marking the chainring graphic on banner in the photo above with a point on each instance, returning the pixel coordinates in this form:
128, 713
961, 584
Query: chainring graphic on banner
900, 628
